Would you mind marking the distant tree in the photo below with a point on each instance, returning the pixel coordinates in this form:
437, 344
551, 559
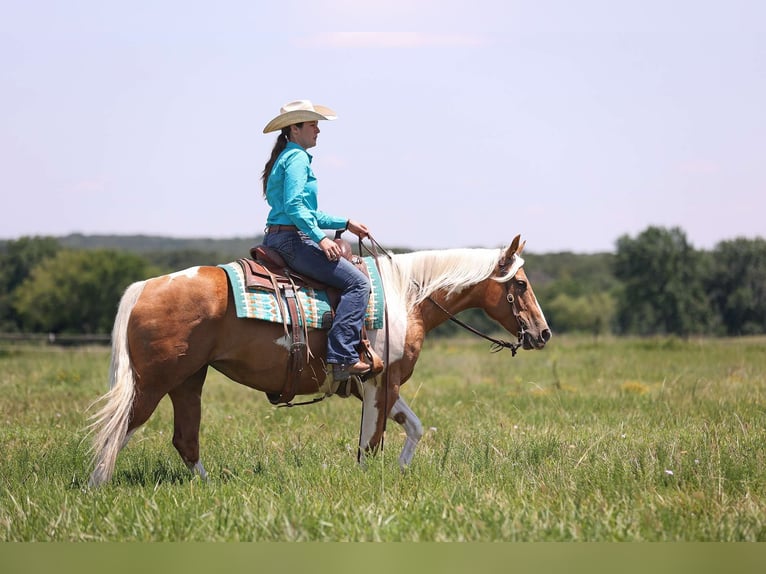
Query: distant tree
77, 291
575, 291
737, 284
662, 277
592, 314
17, 259
574, 274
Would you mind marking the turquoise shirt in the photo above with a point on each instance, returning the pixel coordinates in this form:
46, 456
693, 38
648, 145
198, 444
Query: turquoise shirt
291, 192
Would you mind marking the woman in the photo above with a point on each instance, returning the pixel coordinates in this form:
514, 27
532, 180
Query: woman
294, 228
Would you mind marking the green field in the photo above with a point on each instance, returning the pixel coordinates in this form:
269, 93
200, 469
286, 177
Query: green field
608, 440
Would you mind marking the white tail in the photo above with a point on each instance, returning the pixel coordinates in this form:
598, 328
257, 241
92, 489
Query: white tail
111, 422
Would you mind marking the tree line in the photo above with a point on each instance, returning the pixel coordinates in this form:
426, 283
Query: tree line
655, 283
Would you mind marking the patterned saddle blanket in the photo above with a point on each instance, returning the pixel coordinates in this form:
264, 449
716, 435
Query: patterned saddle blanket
254, 303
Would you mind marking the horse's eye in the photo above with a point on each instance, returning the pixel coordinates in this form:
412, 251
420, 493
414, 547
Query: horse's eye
521, 285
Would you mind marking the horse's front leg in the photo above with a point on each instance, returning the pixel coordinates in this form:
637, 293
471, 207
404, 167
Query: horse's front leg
377, 402
402, 414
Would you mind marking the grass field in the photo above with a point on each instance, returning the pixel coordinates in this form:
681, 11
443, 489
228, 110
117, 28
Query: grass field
608, 440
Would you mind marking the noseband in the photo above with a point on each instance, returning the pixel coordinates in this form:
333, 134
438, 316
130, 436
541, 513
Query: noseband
497, 344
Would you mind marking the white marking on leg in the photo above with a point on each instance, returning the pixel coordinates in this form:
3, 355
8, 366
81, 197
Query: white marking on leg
412, 426
199, 469
369, 414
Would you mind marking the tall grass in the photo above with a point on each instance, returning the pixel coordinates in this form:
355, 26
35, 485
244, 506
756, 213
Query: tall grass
608, 440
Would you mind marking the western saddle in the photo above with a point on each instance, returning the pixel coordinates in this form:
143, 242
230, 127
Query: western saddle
267, 270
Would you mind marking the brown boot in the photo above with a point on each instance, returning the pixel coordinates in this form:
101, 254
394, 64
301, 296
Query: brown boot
341, 372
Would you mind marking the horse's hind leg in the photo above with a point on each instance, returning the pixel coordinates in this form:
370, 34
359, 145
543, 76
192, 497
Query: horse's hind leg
402, 414
187, 411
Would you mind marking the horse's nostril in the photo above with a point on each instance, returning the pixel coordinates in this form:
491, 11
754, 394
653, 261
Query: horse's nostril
546, 335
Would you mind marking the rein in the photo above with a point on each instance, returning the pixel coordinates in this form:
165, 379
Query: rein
497, 344
387, 359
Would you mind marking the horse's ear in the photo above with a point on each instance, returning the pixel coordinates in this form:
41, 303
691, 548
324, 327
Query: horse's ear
521, 247
513, 249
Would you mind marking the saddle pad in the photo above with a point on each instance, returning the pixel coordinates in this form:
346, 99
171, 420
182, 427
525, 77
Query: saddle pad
260, 304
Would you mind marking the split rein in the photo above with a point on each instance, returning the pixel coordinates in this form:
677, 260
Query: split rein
497, 344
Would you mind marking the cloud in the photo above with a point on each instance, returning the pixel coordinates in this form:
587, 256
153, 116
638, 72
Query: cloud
334, 161
699, 168
389, 40
86, 188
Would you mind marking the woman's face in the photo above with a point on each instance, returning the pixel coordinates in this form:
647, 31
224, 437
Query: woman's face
305, 135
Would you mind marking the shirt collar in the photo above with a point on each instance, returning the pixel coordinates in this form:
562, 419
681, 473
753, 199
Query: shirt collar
293, 145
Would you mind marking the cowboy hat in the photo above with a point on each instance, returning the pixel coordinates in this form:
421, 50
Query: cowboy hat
297, 112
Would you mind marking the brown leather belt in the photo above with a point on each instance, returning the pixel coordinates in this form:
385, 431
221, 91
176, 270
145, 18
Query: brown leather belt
278, 228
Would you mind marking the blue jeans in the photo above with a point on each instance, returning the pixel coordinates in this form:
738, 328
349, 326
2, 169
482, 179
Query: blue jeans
305, 256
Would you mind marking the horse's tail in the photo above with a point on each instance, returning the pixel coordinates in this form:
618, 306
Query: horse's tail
110, 424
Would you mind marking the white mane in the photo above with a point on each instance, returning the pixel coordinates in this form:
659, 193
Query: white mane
417, 275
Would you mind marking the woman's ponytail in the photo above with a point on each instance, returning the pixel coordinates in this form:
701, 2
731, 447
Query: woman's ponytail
279, 147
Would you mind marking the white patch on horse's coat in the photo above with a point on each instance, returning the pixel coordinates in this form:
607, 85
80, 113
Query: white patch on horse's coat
284, 341
189, 273
369, 414
396, 316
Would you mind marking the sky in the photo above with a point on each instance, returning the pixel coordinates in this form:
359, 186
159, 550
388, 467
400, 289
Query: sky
570, 123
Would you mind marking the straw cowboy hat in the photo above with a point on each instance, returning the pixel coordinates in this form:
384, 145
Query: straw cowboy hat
297, 112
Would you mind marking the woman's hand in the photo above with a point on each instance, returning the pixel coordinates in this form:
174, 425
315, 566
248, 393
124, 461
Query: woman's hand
358, 229
330, 249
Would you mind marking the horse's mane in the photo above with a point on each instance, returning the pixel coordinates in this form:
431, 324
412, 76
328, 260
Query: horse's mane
419, 274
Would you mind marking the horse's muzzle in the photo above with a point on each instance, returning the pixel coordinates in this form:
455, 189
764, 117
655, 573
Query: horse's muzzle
531, 341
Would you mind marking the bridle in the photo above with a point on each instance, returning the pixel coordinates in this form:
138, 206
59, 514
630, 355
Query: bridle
497, 344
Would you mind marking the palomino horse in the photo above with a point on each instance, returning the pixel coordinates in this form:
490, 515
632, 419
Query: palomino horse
170, 329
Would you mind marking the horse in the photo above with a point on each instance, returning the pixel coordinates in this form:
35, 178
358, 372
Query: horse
170, 329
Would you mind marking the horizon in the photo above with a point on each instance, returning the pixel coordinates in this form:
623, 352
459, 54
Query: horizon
527, 250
